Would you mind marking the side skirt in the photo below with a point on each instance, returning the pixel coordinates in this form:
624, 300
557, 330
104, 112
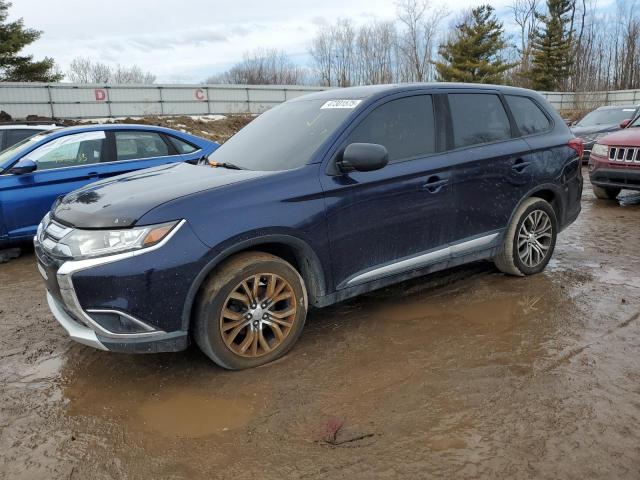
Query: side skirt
472, 252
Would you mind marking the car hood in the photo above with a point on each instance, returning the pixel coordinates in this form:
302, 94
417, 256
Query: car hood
578, 131
120, 201
629, 137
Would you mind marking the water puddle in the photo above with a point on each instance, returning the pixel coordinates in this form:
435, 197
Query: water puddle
185, 414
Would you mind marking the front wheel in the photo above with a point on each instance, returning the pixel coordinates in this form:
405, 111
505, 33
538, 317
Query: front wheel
530, 239
605, 193
251, 311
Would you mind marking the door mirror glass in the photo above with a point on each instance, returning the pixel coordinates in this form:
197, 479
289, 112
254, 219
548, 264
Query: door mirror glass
624, 123
363, 157
26, 165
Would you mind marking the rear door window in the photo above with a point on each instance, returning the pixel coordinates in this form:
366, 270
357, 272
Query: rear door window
478, 118
404, 126
136, 145
528, 115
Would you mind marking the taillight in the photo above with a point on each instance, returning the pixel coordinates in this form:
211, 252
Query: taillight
578, 145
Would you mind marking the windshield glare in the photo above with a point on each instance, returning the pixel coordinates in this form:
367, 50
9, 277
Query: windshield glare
609, 116
283, 137
20, 147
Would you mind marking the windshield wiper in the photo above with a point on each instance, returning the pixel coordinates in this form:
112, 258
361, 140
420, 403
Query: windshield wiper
230, 166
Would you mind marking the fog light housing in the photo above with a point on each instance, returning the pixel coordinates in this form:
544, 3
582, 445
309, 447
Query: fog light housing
118, 322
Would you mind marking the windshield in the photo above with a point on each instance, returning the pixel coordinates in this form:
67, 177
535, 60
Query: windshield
609, 116
285, 136
636, 122
20, 147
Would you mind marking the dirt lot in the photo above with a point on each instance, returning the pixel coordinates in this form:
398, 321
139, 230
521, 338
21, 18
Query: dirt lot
465, 374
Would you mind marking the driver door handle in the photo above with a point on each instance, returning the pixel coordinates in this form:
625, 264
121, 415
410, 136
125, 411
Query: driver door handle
520, 165
434, 184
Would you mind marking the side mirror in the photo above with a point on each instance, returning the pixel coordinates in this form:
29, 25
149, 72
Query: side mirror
23, 166
624, 123
363, 157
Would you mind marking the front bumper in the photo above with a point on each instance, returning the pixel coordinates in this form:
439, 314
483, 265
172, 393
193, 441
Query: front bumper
132, 289
603, 173
76, 330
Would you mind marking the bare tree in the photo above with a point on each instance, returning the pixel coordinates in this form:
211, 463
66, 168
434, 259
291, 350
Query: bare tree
375, 53
321, 52
132, 74
262, 67
606, 48
524, 15
417, 39
84, 70
343, 53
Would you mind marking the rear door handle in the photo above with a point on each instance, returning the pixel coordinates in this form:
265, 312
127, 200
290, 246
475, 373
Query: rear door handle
520, 165
434, 184
92, 174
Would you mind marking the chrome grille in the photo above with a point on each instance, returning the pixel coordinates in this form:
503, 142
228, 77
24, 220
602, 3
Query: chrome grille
56, 231
624, 154
50, 234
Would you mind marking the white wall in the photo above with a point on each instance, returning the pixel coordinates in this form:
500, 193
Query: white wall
64, 100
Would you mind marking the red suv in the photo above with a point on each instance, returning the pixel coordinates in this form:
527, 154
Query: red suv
614, 163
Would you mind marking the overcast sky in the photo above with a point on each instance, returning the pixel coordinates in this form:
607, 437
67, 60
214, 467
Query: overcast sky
187, 40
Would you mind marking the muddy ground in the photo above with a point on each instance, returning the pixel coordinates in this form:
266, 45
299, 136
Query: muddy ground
466, 374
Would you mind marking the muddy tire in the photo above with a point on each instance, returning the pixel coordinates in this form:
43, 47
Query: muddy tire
530, 239
605, 193
250, 311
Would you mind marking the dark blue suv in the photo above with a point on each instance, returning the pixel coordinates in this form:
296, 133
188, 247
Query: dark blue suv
319, 199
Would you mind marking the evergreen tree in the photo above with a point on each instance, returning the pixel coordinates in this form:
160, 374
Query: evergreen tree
473, 54
21, 68
551, 63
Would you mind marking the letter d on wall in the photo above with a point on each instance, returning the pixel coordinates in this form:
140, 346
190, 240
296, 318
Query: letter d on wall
101, 94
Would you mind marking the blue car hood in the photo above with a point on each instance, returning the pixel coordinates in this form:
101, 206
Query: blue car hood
120, 201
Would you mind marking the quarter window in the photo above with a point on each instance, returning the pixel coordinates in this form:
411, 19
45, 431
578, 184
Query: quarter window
529, 118
404, 126
181, 145
135, 145
69, 151
478, 118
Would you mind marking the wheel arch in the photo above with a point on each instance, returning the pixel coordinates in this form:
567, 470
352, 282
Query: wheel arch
291, 249
549, 192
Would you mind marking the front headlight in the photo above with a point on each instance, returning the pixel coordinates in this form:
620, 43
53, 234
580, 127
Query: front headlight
97, 243
600, 150
41, 226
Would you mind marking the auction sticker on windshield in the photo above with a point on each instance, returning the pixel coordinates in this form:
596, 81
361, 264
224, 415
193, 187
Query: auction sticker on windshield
341, 104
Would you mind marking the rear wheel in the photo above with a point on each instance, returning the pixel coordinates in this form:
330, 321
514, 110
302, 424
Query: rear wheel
605, 193
251, 311
530, 239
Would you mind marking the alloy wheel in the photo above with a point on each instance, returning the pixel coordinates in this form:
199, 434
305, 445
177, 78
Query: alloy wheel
534, 238
258, 315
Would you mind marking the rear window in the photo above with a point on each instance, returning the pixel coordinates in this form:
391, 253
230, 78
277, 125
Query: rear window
404, 126
16, 135
478, 118
529, 118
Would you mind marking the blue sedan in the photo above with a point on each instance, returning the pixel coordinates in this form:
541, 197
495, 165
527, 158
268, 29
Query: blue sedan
34, 172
